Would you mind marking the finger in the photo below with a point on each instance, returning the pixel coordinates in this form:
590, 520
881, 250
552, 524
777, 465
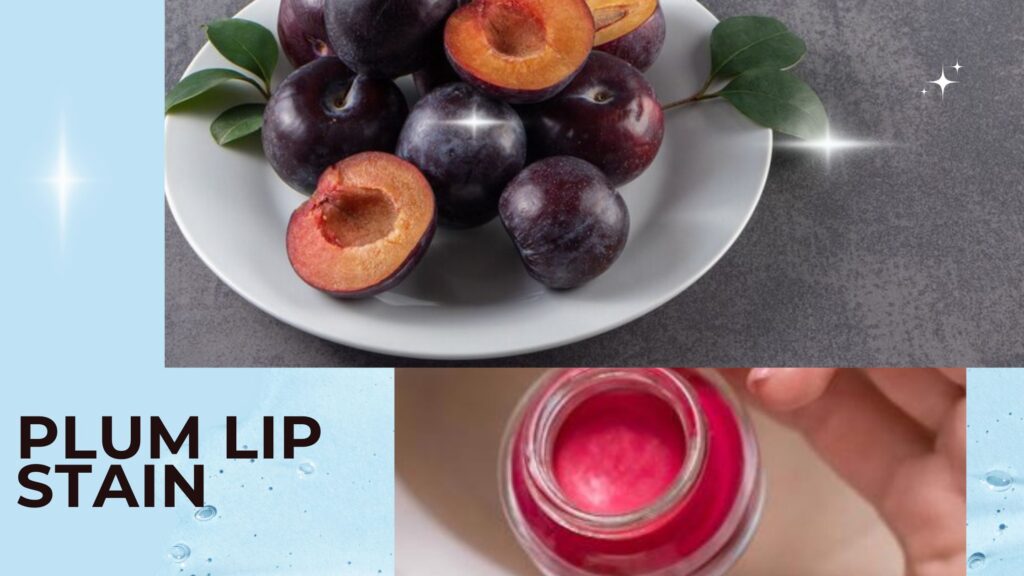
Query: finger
860, 433
785, 389
956, 375
952, 442
736, 377
925, 394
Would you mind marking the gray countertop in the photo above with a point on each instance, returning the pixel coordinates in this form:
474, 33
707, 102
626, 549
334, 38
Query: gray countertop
904, 254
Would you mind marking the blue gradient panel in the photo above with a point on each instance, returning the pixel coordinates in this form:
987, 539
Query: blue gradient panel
995, 472
81, 310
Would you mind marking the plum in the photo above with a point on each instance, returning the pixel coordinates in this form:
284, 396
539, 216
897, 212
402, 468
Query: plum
385, 39
323, 112
633, 30
468, 146
436, 72
567, 222
608, 115
519, 51
302, 31
364, 230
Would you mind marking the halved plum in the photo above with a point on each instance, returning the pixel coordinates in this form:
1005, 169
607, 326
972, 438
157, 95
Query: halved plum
520, 51
633, 30
365, 228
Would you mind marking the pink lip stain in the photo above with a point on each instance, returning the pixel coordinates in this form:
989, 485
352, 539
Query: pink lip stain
629, 472
617, 452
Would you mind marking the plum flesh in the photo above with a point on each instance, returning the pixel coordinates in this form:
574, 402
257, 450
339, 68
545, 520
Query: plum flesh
366, 227
322, 113
519, 51
567, 222
469, 146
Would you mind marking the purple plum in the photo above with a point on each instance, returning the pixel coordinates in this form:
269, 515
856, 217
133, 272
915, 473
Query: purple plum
567, 222
322, 113
468, 146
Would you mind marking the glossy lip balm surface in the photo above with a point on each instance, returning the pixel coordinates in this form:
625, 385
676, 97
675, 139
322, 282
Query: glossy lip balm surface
618, 452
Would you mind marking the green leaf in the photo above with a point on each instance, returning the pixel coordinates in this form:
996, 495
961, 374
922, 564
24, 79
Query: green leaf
747, 42
247, 44
203, 81
237, 123
780, 101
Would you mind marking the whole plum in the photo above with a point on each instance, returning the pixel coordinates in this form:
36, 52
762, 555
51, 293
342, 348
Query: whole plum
468, 146
302, 31
322, 113
567, 222
385, 39
608, 115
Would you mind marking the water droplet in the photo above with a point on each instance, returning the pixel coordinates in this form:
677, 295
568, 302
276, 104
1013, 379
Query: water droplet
1002, 527
179, 552
206, 513
976, 561
998, 480
307, 468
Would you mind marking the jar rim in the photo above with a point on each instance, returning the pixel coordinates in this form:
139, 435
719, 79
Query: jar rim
562, 393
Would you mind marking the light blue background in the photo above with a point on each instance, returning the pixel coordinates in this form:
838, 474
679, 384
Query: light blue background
82, 332
995, 441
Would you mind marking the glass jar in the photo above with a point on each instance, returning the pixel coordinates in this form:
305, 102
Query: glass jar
628, 472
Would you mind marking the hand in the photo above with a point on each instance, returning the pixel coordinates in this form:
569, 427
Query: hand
897, 436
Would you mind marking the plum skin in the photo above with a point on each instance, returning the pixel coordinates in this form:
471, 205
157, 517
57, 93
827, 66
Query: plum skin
322, 113
385, 39
468, 146
436, 72
302, 31
608, 115
567, 222
642, 46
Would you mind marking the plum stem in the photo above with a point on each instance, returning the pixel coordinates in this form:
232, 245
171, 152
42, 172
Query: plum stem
701, 94
687, 101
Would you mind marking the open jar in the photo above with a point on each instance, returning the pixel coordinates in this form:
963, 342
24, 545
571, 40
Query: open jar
625, 472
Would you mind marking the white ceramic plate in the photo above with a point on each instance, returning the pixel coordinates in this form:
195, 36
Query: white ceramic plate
470, 297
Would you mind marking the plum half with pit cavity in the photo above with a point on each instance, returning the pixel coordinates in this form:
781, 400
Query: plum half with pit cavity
366, 227
519, 50
567, 222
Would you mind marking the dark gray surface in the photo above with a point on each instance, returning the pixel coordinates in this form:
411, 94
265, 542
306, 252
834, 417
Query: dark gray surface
910, 254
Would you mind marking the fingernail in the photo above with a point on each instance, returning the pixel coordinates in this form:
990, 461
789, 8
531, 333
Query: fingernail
758, 376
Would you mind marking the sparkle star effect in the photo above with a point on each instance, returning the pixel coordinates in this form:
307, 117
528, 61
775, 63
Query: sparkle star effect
63, 182
475, 121
829, 144
957, 67
942, 82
